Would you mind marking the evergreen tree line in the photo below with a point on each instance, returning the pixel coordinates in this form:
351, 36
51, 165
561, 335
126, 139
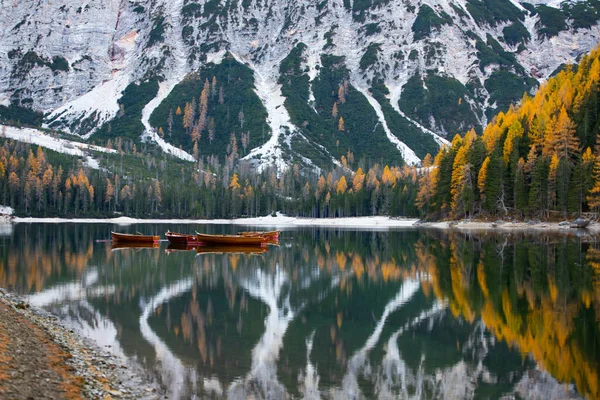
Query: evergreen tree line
536, 160
36, 182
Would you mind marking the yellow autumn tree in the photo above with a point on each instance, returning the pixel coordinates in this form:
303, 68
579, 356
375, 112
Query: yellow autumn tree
358, 181
342, 186
234, 183
387, 178
425, 190
341, 126
565, 143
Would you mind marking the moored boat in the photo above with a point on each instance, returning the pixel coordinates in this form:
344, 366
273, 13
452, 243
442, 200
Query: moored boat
134, 238
229, 240
270, 235
181, 238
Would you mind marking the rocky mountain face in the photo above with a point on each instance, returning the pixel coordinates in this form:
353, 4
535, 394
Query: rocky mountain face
277, 82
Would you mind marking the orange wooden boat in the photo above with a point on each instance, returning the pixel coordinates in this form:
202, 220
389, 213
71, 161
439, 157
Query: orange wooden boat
270, 235
181, 238
230, 240
231, 249
131, 238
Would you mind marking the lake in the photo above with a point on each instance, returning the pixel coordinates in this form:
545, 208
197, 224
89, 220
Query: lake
329, 313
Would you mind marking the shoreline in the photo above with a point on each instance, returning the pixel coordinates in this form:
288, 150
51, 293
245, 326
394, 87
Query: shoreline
93, 371
373, 222
279, 221
508, 226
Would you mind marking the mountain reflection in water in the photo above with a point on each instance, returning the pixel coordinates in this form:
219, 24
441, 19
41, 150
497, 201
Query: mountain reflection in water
330, 314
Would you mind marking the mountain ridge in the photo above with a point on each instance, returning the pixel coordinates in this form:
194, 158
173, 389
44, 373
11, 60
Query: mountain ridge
73, 63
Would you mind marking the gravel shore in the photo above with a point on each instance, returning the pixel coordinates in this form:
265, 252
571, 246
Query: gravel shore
507, 226
40, 357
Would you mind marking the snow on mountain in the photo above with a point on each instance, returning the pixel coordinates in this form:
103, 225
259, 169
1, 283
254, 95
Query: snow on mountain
36, 137
72, 61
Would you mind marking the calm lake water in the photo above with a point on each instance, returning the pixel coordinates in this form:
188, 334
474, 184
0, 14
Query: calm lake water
328, 313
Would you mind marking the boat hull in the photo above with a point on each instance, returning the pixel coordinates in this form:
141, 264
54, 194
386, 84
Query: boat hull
129, 238
230, 240
269, 235
181, 238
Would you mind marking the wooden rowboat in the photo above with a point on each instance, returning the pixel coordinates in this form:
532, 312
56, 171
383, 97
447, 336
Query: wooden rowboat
137, 238
229, 240
181, 238
267, 234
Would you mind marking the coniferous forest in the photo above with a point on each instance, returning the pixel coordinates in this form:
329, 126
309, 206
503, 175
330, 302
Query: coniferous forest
38, 182
540, 159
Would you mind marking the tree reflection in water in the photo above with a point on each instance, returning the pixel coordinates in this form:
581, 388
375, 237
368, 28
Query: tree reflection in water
402, 314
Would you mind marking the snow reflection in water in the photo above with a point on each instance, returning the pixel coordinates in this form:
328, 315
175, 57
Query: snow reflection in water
262, 381
174, 374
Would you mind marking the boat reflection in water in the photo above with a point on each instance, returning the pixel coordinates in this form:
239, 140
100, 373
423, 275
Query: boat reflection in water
179, 247
208, 249
231, 250
140, 245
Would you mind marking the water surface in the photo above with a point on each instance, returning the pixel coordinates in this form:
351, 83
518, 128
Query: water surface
328, 313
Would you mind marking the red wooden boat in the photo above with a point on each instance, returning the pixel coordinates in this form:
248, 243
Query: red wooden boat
230, 240
270, 235
181, 238
133, 238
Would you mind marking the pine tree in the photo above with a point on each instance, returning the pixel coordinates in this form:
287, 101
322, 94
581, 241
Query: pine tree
334, 110
170, 122
195, 150
341, 124
188, 117
563, 184
110, 192
565, 143
538, 189
425, 185
521, 199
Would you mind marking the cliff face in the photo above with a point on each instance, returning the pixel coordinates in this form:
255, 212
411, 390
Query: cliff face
424, 69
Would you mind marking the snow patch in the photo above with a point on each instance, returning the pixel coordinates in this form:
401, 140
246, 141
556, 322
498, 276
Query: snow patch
215, 58
408, 155
280, 220
6, 210
269, 92
178, 72
395, 93
164, 89
36, 137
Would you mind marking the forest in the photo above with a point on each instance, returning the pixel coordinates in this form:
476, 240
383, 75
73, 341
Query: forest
538, 159
43, 183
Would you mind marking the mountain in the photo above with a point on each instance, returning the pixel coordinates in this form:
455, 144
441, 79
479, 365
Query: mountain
303, 82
